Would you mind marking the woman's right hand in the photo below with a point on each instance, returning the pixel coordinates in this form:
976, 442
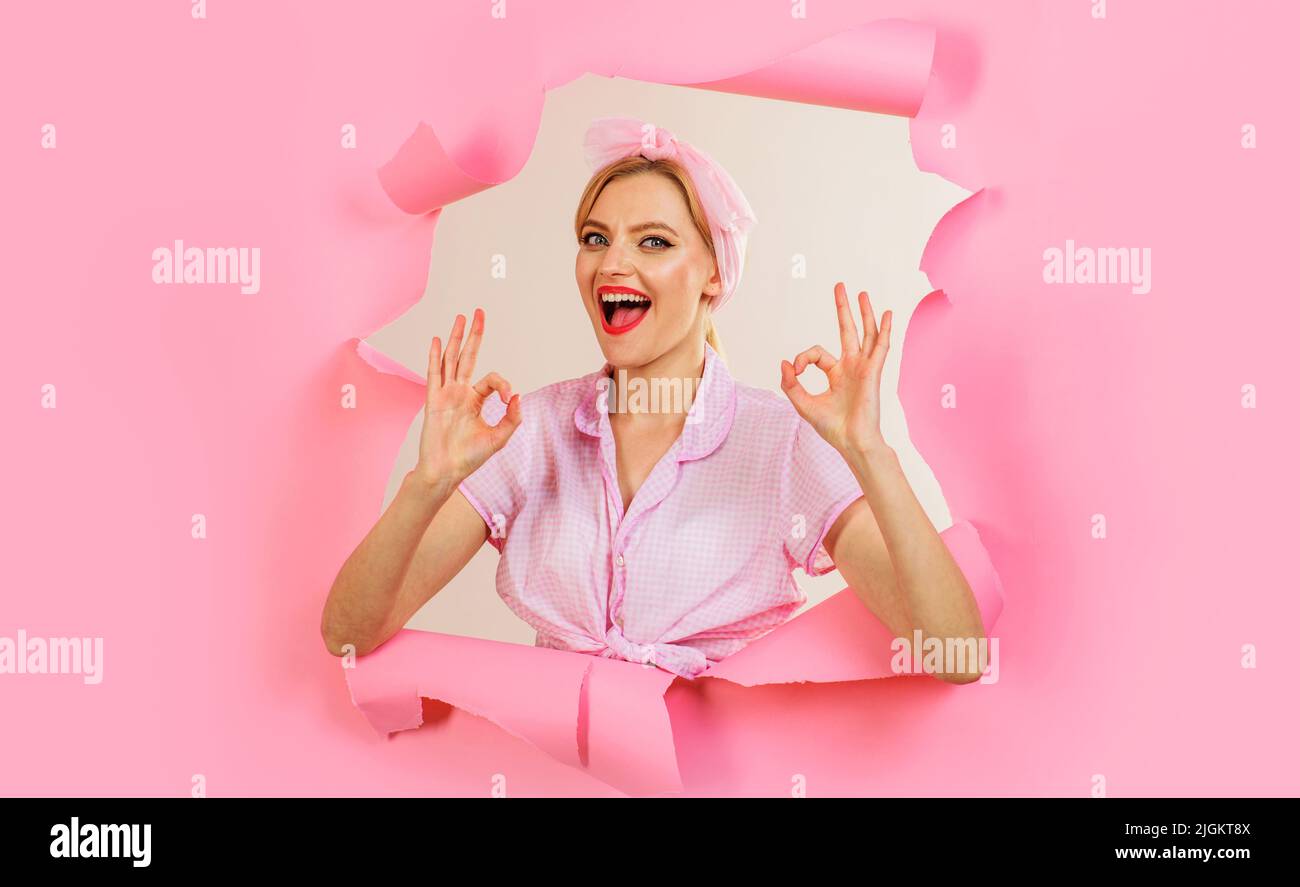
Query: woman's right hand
455, 440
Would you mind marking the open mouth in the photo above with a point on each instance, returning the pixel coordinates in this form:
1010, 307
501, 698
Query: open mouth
621, 311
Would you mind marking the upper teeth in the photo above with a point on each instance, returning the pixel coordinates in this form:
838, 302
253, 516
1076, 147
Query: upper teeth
622, 297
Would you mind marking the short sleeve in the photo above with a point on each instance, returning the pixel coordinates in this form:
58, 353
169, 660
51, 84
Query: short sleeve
498, 489
818, 486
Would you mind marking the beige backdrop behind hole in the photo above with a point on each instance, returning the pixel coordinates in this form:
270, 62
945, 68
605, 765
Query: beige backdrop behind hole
838, 188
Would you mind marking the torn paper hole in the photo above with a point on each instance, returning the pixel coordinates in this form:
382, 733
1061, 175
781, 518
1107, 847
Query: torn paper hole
607, 717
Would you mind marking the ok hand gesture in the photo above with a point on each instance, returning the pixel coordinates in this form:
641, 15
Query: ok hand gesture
847, 414
454, 440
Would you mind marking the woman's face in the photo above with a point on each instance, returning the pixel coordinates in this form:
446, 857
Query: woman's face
640, 242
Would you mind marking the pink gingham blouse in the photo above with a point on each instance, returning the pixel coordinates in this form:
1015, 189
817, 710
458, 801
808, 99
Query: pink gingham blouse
702, 562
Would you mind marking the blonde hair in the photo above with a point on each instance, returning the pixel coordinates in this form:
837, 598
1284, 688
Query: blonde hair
674, 172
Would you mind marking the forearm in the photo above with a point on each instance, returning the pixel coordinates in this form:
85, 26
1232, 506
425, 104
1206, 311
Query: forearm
937, 595
366, 590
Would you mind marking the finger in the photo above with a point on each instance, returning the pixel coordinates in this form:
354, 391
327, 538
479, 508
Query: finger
465, 368
509, 422
794, 389
882, 341
814, 355
848, 328
493, 382
452, 356
434, 378
868, 320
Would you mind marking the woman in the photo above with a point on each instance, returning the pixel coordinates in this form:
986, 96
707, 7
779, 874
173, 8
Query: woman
664, 535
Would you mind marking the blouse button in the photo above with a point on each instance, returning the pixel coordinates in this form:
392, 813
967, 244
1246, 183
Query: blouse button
620, 560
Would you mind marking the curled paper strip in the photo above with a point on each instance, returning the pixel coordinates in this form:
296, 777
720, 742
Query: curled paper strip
882, 67
607, 716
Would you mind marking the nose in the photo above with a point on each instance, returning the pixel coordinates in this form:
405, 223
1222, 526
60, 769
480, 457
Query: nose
614, 262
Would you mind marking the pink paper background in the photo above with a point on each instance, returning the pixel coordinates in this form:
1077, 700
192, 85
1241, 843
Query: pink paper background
1120, 656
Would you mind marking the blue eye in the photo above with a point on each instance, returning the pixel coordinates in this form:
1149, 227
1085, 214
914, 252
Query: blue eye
587, 242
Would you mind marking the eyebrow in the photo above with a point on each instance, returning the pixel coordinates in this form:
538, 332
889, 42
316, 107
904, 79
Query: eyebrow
635, 228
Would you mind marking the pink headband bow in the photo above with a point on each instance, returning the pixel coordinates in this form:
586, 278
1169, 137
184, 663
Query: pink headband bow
730, 218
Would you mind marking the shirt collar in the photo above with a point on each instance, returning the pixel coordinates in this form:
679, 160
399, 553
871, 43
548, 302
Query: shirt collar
706, 426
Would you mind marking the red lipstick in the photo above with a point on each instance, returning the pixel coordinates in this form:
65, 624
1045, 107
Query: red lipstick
600, 308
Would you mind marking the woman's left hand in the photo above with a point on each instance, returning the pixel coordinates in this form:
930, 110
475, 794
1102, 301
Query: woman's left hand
847, 413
